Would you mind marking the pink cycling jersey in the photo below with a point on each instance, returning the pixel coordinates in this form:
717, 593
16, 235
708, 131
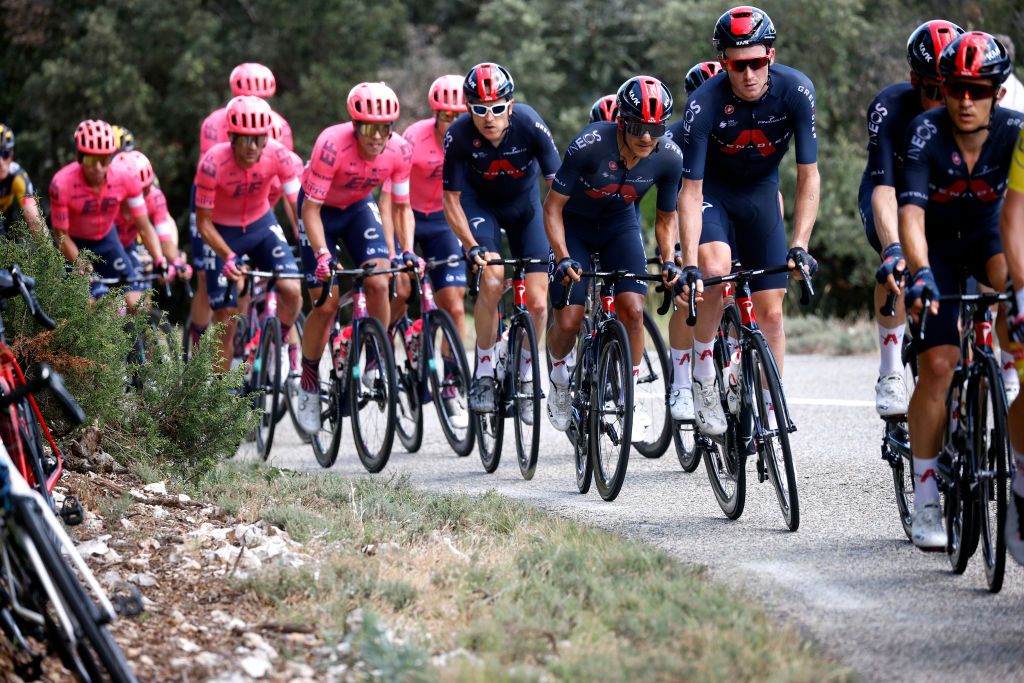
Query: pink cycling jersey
338, 176
89, 214
275, 183
159, 216
237, 196
425, 192
214, 130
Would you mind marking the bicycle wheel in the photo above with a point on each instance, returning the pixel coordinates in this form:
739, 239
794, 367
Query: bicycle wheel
959, 506
292, 383
408, 409
724, 458
327, 440
986, 411
652, 390
449, 383
371, 391
580, 388
683, 438
902, 470
611, 412
525, 397
773, 439
267, 394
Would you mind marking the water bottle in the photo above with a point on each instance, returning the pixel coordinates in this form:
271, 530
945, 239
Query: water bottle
413, 333
501, 354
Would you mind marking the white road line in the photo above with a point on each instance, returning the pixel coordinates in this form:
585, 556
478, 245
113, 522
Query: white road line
839, 402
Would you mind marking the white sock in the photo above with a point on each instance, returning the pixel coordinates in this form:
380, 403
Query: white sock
703, 360
1009, 369
681, 377
485, 362
890, 339
561, 368
926, 490
636, 378
525, 366
769, 409
1018, 479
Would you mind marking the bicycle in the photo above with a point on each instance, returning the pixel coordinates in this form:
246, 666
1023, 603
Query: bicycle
747, 368
654, 384
361, 380
975, 458
601, 386
515, 399
418, 344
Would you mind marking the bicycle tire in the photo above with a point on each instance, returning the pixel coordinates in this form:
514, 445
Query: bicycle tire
987, 417
439, 320
958, 501
373, 345
327, 440
292, 384
527, 436
267, 396
32, 441
656, 368
724, 463
613, 384
408, 408
685, 442
581, 388
902, 475
785, 491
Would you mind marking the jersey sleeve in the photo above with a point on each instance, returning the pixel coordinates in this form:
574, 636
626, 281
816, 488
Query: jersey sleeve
572, 165
696, 132
1016, 178
547, 152
670, 177
59, 214
805, 134
399, 178
206, 182
23, 191
882, 140
912, 187
159, 216
316, 182
289, 168
133, 194
453, 174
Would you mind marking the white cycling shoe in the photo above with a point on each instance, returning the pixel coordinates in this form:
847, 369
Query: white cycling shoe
707, 404
891, 395
307, 411
680, 404
927, 531
641, 424
526, 403
559, 406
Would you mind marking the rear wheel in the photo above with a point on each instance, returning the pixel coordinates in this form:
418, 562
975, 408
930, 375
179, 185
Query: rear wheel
408, 409
333, 406
652, 390
293, 382
580, 388
724, 458
902, 472
525, 393
448, 374
683, 437
371, 392
959, 506
267, 395
611, 420
987, 412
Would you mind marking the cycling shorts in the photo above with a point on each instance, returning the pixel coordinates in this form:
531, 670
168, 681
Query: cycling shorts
437, 241
113, 262
748, 218
358, 226
522, 219
616, 240
263, 242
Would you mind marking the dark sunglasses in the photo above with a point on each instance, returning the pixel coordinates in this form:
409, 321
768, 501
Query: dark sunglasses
482, 109
970, 91
447, 116
6, 153
741, 65
639, 129
96, 159
368, 130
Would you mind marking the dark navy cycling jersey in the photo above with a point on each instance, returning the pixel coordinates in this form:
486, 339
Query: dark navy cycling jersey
597, 182
936, 179
731, 141
888, 116
503, 172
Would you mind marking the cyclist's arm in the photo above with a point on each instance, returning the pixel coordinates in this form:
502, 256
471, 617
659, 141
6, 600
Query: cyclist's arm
1011, 225
66, 245
691, 202
148, 236
313, 225
291, 214
553, 224
808, 194
912, 236
211, 236
30, 210
666, 230
456, 218
386, 206
883, 205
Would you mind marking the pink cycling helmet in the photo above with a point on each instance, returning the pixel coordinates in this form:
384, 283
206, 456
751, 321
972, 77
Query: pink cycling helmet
137, 162
253, 79
95, 137
446, 94
249, 115
276, 131
372, 103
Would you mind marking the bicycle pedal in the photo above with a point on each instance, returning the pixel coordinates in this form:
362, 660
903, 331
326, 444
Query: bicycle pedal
127, 600
71, 511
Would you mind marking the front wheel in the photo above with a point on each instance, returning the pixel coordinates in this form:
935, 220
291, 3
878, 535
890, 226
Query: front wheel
684, 439
448, 373
408, 408
371, 391
724, 458
652, 390
987, 417
268, 387
611, 421
525, 393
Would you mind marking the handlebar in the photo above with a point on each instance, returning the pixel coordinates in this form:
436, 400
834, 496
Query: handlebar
985, 299
47, 379
607, 276
474, 282
806, 287
358, 273
13, 282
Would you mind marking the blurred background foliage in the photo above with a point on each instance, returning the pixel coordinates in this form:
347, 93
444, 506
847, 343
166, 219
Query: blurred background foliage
160, 68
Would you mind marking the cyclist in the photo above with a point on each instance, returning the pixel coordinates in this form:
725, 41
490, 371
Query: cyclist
433, 236
604, 109
137, 163
85, 197
888, 116
736, 129
698, 73
491, 163
607, 169
956, 162
336, 203
235, 219
15, 186
124, 139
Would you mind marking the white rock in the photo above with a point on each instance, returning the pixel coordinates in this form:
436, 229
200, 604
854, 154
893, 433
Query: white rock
147, 660
142, 580
182, 498
112, 557
256, 665
186, 645
181, 662
207, 531
127, 524
135, 493
149, 544
208, 659
256, 642
93, 547
236, 625
110, 578
249, 535
157, 487
229, 555
229, 677
299, 670
159, 512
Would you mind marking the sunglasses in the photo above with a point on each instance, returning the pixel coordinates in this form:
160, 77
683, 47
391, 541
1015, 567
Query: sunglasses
447, 116
970, 91
741, 65
639, 129
931, 91
96, 159
6, 153
495, 109
369, 130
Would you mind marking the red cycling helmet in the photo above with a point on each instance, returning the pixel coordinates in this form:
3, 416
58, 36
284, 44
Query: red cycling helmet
975, 54
446, 94
605, 109
487, 82
926, 43
644, 99
249, 115
95, 137
699, 73
743, 26
372, 103
253, 79
137, 162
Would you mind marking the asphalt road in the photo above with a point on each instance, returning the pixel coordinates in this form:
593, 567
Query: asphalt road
848, 578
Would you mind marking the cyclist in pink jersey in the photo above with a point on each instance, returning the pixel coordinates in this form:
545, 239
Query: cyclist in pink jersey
233, 213
86, 196
135, 162
276, 192
349, 160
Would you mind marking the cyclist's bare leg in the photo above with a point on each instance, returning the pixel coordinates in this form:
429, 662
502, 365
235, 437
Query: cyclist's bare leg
485, 311
201, 312
768, 309
680, 335
400, 304
537, 302
629, 308
226, 317
131, 300
927, 414
450, 299
318, 323
378, 292
562, 333
714, 259
289, 295
1015, 419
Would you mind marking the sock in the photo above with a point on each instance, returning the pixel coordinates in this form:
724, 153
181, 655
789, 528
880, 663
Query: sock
681, 374
636, 378
1009, 369
293, 357
561, 368
891, 342
703, 360
1018, 480
526, 366
196, 332
310, 375
485, 362
286, 331
926, 490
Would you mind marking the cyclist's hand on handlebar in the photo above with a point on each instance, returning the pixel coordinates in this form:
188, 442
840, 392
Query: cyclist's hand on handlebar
689, 278
232, 267
566, 270
922, 289
476, 255
324, 266
893, 268
165, 270
183, 269
797, 257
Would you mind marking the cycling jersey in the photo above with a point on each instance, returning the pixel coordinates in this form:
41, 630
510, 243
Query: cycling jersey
214, 130
507, 171
276, 191
237, 196
425, 192
1015, 181
16, 188
156, 207
338, 176
89, 214
597, 182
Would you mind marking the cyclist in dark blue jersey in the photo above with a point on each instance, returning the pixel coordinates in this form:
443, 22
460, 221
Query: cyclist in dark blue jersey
888, 116
607, 169
957, 159
698, 73
492, 160
736, 128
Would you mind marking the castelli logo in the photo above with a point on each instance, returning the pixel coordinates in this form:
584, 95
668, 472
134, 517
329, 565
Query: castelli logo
476, 143
956, 158
729, 109
613, 166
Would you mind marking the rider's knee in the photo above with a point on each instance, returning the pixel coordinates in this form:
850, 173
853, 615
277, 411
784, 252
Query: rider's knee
376, 287
770, 320
568, 320
630, 312
937, 365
